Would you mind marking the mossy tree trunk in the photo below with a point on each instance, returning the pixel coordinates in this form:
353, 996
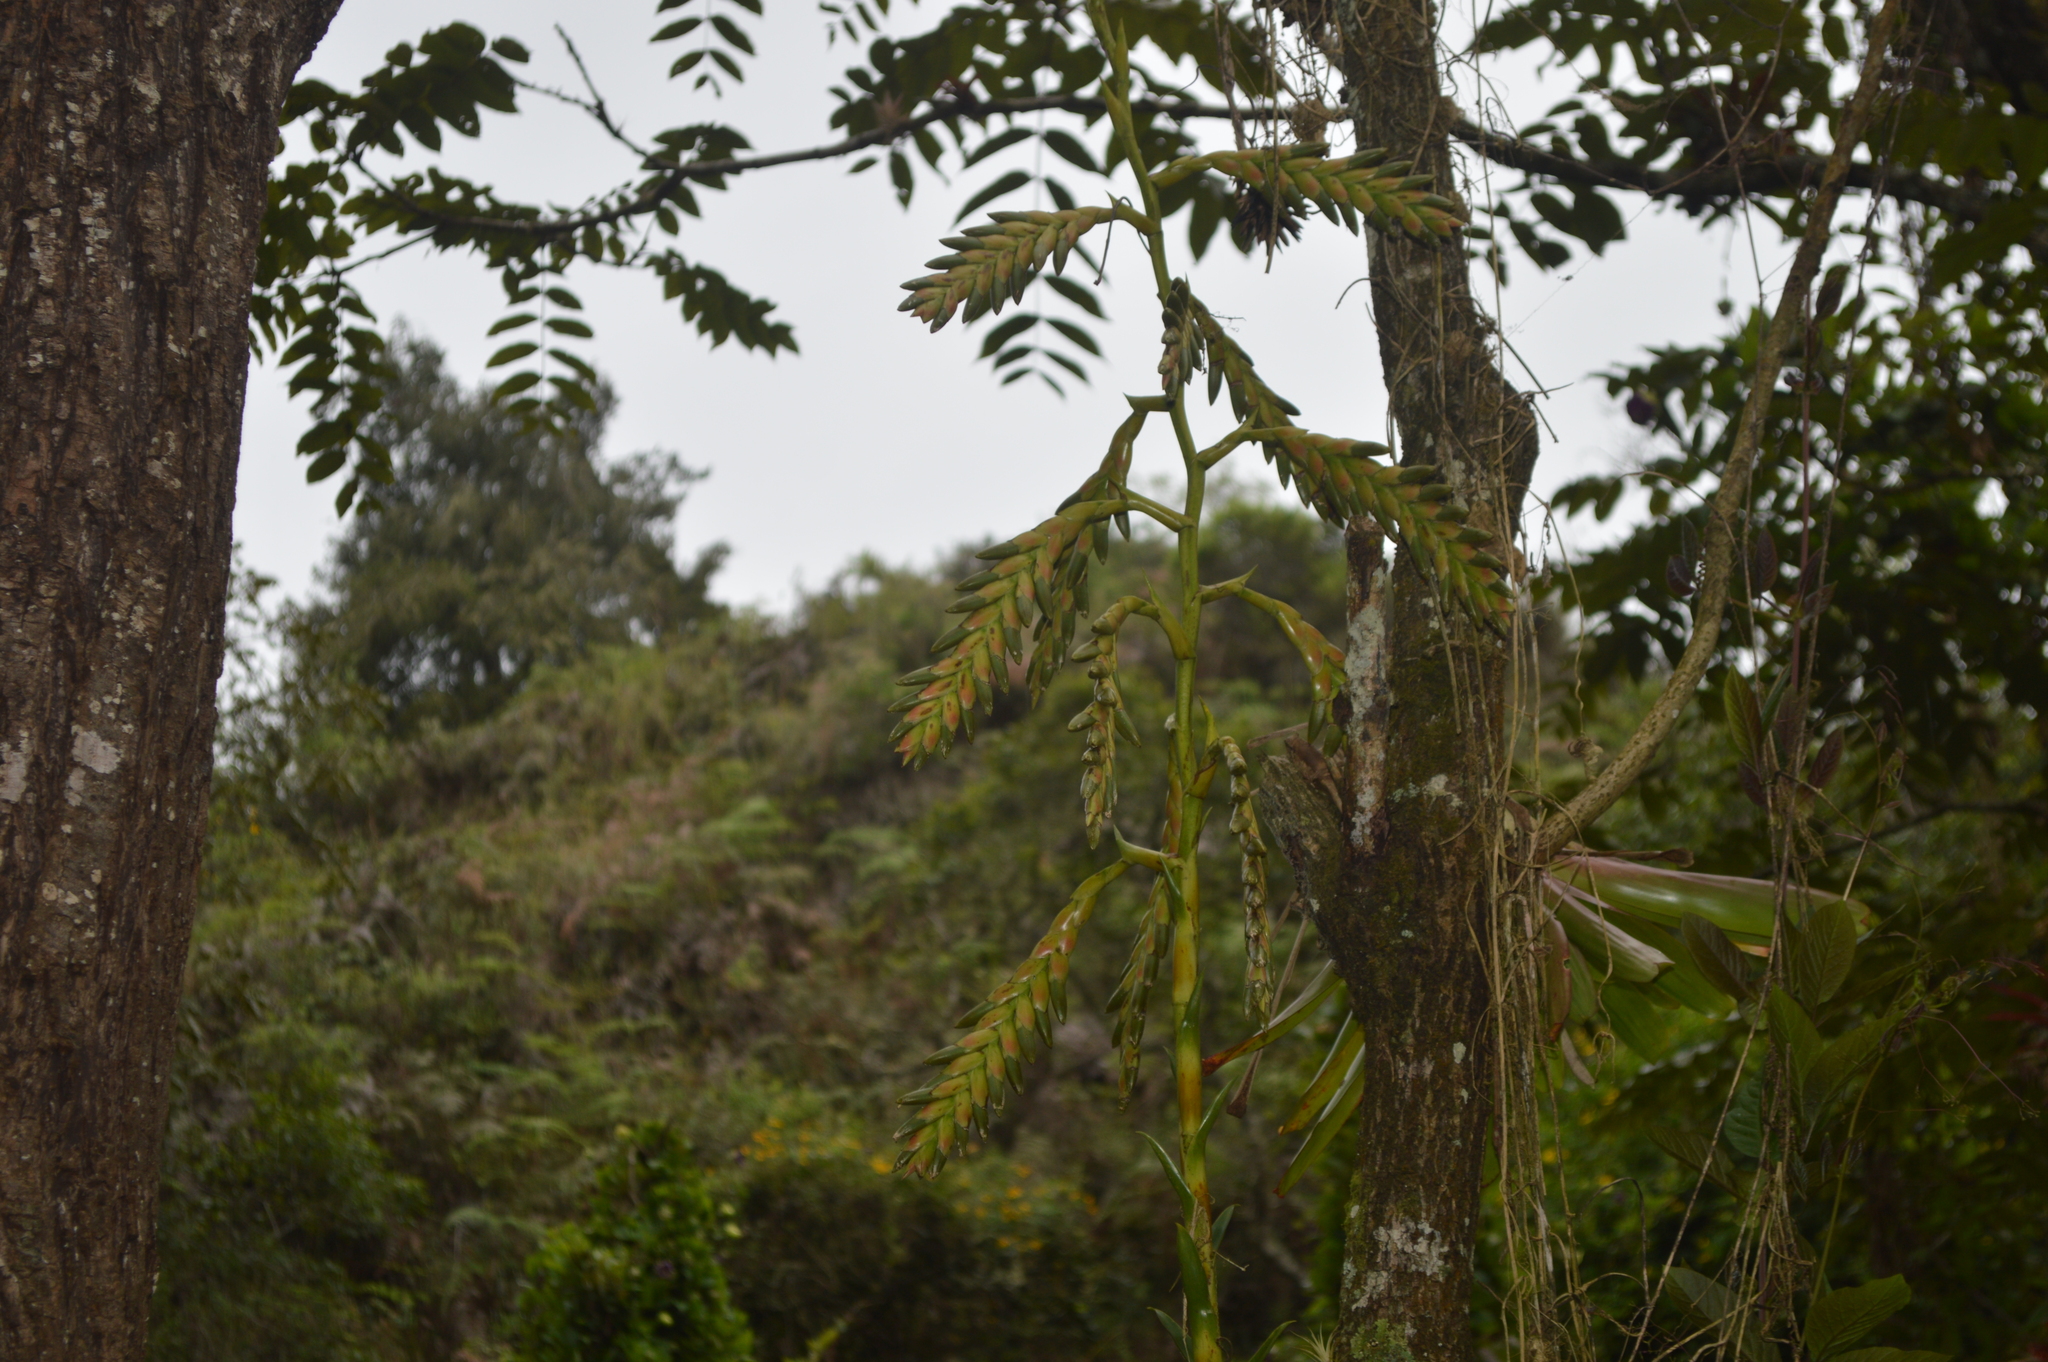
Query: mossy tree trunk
1394, 844
134, 145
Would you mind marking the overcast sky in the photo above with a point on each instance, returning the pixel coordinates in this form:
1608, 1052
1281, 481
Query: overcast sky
880, 437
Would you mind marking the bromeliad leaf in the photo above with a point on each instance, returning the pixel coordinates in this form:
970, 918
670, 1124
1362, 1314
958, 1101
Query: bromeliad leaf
1326, 984
992, 1054
1745, 909
1332, 1096
1605, 949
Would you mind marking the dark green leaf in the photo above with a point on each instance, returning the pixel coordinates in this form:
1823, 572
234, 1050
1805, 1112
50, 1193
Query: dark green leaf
1076, 335
1823, 953
1794, 1033
1080, 295
732, 33
1007, 330
1009, 182
327, 464
1842, 1318
1719, 962
1001, 140
1065, 146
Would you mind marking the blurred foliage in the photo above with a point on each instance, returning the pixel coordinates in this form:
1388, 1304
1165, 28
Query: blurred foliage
1929, 1168
635, 1279
684, 881
499, 546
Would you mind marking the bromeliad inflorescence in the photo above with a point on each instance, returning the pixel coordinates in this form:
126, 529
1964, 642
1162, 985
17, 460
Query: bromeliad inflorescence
1026, 608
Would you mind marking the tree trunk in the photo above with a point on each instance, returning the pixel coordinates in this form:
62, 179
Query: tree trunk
1399, 860
134, 142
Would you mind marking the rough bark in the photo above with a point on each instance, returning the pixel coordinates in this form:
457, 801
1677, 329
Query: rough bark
134, 141
1403, 898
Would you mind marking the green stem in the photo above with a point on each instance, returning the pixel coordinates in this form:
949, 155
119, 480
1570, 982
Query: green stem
1165, 515
1203, 1328
1217, 452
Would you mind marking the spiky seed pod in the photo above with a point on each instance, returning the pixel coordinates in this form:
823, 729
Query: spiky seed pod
970, 1089
1134, 989
1244, 825
1103, 719
1347, 189
1039, 583
1257, 220
992, 264
1098, 758
1141, 968
1181, 339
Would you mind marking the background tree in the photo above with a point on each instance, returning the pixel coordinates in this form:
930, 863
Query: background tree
500, 546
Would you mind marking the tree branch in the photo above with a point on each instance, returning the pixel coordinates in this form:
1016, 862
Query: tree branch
1600, 795
1786, 176
655, 194
1774, 175
2016, 808
1299, 803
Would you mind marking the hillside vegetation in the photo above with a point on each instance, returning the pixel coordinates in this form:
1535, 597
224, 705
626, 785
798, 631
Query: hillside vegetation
558, 969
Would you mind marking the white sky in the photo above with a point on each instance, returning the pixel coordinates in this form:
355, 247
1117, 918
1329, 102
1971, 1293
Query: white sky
879, 436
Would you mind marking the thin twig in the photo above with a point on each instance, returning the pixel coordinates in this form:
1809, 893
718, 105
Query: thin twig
1733, 493
657, 192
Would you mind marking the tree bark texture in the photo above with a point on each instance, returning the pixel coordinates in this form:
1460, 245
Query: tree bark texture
134, 142
1399, 861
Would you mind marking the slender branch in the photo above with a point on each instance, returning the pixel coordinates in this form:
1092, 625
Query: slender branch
1733, 494
1786, 176
1780, 175
594, 106
2018, 808
657, 192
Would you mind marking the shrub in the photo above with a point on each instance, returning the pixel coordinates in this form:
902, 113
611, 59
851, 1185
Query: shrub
636, 1279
